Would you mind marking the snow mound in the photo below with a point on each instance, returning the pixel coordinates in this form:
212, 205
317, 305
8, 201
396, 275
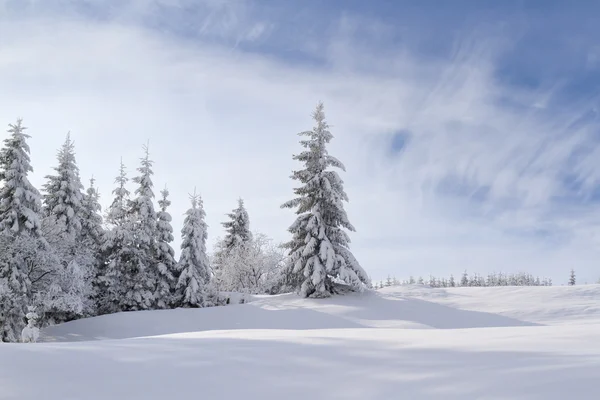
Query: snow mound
403, 307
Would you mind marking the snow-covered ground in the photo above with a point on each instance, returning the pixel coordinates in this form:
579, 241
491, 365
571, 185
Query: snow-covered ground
398, 343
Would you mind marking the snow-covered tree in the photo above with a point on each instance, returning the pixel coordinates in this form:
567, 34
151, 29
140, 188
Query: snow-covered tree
118, 211
464, 281
237, 228
91, 221
572, 279
63, 201
21, 242
451, 282
117, 248
319, 249
73, 232
193, 268
140, 266
20, 202
252, 267
165, 255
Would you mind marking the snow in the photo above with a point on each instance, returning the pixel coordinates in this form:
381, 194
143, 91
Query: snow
405, 342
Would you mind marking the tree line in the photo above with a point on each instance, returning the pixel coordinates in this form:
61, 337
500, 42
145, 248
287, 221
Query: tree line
62, 258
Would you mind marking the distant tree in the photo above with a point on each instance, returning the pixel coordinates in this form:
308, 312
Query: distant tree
411, 280
420, 281
452, 283
464, 281
388, 281
572, 278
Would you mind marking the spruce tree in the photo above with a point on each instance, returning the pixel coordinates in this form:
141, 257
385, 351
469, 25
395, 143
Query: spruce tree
20, 202
165, 255
63, 201
141, 267
69, 293
20, 232
237, 228
572, 279
319, 248
193, 267
91, 222
117, 249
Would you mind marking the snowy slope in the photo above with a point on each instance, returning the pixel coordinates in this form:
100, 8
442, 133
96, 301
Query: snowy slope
408, 342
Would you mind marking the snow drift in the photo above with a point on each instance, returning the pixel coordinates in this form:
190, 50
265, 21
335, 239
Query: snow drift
406, 342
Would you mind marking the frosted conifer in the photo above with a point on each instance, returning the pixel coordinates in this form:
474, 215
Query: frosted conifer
319, 248
165, 255
20, 202
63, 201
238, 227
193, 266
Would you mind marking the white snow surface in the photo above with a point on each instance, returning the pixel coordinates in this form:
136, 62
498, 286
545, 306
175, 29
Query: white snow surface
397, 343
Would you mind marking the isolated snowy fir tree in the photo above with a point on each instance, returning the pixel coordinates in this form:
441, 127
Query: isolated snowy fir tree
165, 255
572, 279
319, 248
193, 267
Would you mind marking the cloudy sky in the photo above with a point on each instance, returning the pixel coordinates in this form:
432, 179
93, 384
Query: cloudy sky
469, 129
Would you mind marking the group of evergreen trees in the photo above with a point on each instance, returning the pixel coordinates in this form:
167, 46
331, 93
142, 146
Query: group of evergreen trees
59, 254
475, 280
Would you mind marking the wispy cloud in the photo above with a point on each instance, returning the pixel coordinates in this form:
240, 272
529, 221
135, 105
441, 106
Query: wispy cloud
491, 175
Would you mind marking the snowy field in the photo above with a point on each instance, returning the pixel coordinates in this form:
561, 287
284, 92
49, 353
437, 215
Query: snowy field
398, 343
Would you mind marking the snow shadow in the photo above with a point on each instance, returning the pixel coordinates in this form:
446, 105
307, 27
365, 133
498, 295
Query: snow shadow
375, 307
162, 322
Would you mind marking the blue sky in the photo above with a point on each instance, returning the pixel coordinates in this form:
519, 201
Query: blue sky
470, 129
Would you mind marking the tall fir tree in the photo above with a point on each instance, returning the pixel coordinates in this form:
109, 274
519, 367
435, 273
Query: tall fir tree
237, 228
165, 255
69, 294
20, 202
92, 231
20, 232
319, 249
193, 267
117, 249
63, 201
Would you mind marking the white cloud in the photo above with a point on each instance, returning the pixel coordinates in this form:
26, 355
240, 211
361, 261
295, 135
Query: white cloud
225, 121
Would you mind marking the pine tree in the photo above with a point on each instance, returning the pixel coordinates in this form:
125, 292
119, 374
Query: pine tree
63, 201
91, 221
464, 281
237, 228
165, 255
117, 212
452, 283
20, 232
141, 267
117, 249
65, 217
20, 202
319, 248
572, 278
193, 267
